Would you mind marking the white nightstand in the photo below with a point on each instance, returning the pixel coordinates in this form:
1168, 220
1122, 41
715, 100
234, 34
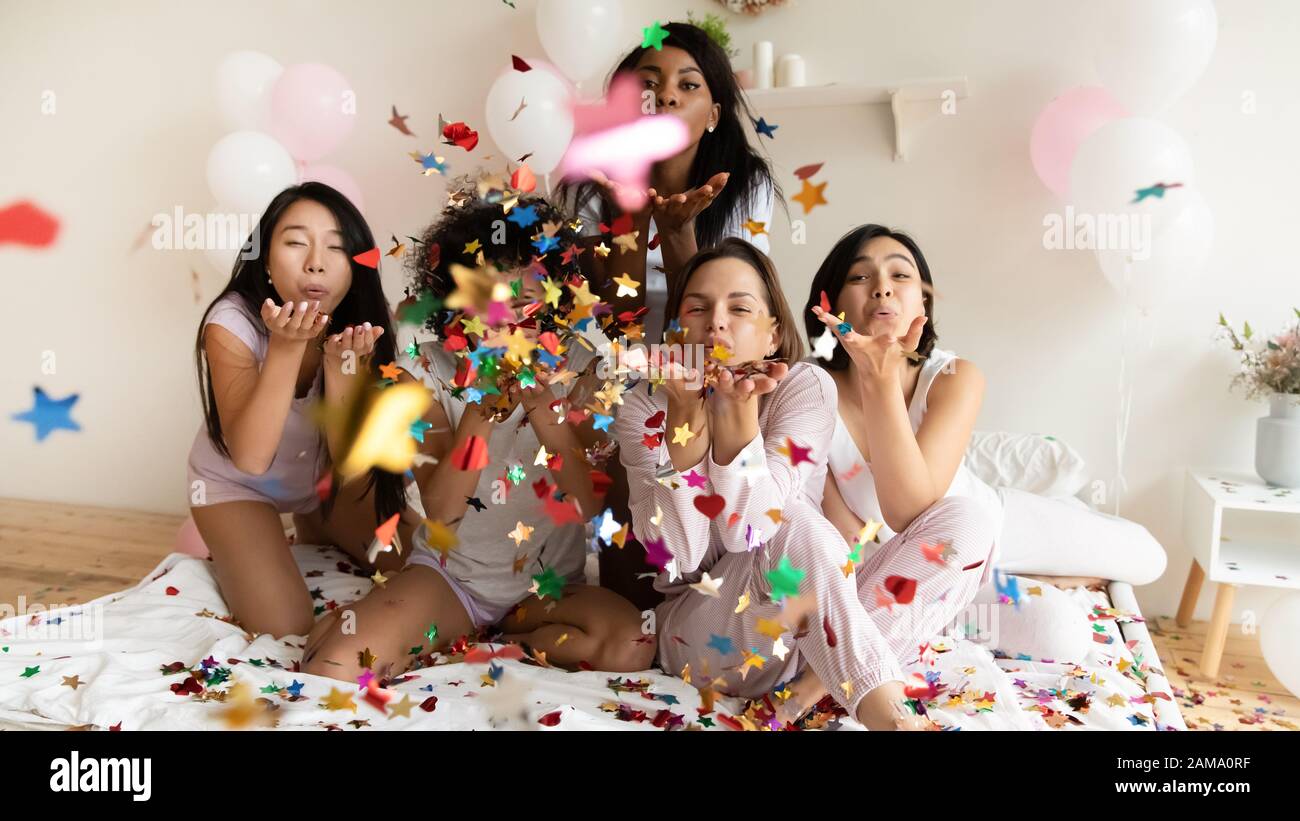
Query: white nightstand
1236, 560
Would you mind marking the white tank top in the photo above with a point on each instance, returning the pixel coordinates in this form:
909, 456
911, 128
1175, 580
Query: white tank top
858, 485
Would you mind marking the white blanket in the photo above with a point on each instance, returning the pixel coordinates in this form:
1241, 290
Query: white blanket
125, 661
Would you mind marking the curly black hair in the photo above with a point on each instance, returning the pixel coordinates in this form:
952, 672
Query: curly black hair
506, 240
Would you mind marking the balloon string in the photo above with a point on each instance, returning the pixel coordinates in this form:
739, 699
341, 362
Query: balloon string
1138, 325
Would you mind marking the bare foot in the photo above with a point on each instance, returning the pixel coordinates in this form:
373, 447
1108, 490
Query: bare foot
885, 708
805, 691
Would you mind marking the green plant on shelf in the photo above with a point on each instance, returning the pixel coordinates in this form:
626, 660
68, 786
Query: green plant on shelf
716, 28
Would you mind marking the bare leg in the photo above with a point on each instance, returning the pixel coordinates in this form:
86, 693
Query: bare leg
589, 624
391, 623
254, 567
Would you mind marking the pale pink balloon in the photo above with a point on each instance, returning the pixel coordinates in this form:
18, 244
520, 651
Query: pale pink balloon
338, 179
188, 540
313, 108
1066, 122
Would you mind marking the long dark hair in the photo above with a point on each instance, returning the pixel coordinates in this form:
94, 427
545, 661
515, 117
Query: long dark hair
364, 302
726, 148
830, 278
791, 348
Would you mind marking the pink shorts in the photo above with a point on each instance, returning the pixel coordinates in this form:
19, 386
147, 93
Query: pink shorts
289, 485
481, 614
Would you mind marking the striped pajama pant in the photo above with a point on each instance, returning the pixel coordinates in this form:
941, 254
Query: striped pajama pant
859, 631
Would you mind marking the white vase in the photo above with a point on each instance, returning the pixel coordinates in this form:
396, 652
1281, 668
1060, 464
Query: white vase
1277, 442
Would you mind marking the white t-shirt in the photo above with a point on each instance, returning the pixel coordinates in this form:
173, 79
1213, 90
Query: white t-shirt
656, 283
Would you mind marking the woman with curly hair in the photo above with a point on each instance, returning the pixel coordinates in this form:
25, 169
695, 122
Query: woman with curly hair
508, 484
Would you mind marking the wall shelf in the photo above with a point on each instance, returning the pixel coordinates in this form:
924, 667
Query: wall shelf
838, 94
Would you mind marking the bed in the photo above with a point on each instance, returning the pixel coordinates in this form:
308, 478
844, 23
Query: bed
164, 656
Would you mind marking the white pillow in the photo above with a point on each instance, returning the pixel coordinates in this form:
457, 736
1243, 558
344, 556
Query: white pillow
1031, 462
1063, 537
1049, 625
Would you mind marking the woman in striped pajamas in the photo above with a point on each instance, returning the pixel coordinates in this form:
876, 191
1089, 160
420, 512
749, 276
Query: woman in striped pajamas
905, 414
726, 489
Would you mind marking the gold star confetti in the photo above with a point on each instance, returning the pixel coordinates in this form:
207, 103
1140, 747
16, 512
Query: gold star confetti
626, 285
626, 242
770, 628
521, 533
811, 196
683, 434
337, 700
439, 537
401, 708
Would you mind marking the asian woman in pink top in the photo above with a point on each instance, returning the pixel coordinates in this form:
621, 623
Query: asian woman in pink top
298, 322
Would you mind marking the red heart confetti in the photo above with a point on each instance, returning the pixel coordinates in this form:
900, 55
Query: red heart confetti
901, 588
710, 506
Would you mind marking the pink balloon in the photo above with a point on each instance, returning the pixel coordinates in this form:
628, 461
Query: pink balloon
1066, 122
189, 542
337, 179
313, 109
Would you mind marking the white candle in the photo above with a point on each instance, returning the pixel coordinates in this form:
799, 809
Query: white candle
790, 71
763, 64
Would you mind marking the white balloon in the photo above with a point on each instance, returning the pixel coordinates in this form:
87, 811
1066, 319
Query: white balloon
1123, 157
545, 125
1177, 253
247, 169
243, 85
581, 36
1149, 52
1278, 643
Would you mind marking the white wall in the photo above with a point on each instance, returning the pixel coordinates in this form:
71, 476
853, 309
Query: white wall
136, 117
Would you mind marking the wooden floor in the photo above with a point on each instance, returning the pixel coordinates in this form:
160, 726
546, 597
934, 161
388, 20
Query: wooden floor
67, 554
1244, 696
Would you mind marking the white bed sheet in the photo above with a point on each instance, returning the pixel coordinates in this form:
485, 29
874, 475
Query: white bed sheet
172, 621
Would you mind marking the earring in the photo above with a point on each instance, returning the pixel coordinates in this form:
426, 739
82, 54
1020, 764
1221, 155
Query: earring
711, 128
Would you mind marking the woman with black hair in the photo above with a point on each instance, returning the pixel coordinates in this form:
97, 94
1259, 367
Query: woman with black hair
296, 323
514, 442
718, 186
924, 528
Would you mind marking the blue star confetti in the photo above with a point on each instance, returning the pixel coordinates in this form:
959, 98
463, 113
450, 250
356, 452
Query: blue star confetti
49, 415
